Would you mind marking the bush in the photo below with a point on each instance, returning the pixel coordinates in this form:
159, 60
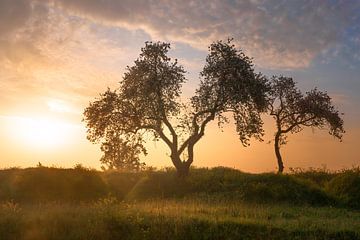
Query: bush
120, 183
160, 184
52, 184
346, 188
80, 184
7, 178
229, 183
283, 188
319, 176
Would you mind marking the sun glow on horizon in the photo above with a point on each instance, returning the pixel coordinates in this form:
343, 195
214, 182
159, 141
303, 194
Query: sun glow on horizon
42, 133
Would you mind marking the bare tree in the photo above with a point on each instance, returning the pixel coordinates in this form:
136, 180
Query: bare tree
293, 111
147, 104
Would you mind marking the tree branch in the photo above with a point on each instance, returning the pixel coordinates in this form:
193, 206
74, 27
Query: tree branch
164, 138
172, 131
198, 130
303, 122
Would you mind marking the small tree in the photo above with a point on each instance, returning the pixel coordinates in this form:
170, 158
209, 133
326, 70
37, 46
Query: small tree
147, 105
293, 111
121, 155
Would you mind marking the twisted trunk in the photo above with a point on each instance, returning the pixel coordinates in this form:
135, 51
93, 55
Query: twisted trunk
182, 167
277, 152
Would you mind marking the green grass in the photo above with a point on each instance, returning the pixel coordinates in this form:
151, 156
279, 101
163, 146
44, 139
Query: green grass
314, 187
220, 203
176, 219
229, 183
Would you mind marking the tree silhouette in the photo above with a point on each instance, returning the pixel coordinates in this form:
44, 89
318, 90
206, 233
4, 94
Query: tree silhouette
147, 104
122, 155
293, 111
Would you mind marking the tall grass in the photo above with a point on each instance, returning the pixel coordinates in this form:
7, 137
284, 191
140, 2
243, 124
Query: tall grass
220, 203
175, 219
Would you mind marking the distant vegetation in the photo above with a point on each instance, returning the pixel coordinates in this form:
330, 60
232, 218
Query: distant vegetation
312, 187
219, 203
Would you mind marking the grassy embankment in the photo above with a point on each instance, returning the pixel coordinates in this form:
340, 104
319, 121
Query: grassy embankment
48, 203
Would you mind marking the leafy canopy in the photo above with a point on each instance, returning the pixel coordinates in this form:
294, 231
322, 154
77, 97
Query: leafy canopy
293, 110
147, 104
229, 84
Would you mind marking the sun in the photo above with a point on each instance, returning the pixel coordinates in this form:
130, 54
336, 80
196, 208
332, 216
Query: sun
41, 132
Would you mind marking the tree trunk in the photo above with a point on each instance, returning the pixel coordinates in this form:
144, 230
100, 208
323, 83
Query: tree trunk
183, 171
277, 152
182, 167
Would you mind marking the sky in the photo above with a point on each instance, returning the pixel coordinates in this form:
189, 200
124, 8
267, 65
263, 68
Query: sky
56, 56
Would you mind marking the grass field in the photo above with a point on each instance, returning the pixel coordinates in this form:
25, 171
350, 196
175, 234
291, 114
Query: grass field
176, 219
49, 203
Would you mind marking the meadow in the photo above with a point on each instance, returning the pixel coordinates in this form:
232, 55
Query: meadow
219, 203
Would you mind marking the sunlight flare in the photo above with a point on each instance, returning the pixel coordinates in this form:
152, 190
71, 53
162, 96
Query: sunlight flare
56, 105
41, 132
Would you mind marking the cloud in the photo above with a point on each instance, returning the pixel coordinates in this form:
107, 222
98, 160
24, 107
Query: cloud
79, 47
21, 25
45, 52
278, 34
17, 10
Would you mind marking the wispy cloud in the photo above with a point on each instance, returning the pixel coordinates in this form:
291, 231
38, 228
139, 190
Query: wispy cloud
278, 34
46, 52
73, 49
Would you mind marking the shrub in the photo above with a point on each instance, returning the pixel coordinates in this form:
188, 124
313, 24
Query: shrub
160, 184
346, 188
229, 183
53, 184
120, 183
319, 176
282, 188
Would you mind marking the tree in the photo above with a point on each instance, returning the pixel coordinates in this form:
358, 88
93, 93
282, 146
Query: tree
293, 111
122, 155
147, 104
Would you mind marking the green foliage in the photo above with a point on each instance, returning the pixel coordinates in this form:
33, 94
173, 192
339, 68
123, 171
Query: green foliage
346, 188
121, 155
229, 84
147, 105
283, 188
312, 187
218, 203
293, 111
51, 184
160, 184
120, 184
319, 176
225, 183
176, 219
